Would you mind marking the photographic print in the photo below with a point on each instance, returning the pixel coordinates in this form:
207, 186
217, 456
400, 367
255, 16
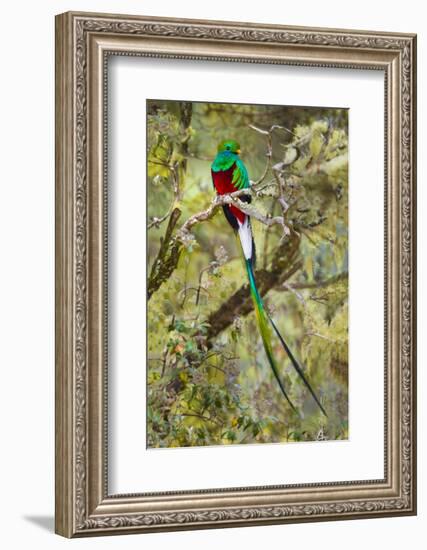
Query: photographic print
247, 243
213, 260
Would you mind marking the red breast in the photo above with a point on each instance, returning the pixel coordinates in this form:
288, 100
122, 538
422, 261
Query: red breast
223, 182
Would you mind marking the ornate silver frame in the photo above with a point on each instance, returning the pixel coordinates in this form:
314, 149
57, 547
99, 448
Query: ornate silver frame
83, 42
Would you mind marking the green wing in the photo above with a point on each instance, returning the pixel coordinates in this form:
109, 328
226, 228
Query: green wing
240, 176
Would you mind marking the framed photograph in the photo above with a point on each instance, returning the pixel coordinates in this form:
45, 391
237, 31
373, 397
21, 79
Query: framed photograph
235, 274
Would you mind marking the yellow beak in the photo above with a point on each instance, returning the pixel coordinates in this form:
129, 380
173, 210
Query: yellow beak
238, 151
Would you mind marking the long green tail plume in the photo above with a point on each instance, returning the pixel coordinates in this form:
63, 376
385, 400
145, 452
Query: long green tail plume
264, 329
296, 365
263, 319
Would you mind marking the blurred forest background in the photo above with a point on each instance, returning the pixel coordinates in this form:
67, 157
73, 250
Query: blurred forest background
209, 381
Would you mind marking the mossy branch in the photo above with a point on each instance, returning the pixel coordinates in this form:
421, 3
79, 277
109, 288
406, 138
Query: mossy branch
167, 257
285, 263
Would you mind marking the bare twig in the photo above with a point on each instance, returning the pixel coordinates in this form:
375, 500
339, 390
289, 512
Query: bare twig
271, 130
269, 153
196, 289
318, 335
281, 184
200, 288
277, 169
299, 296
176, 193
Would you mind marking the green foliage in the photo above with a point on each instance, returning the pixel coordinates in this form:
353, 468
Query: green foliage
220, 390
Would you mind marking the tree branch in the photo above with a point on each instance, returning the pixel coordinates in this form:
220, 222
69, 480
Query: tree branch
167, 257
183, 236
170, 248
230, 198
284, 265
317, 284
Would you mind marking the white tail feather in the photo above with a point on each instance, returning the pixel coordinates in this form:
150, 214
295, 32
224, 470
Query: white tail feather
245, 235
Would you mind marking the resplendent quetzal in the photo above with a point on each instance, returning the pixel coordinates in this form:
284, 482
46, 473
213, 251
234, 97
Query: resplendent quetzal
229, 174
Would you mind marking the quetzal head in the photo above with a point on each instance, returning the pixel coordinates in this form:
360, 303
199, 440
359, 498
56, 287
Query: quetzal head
229, 145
